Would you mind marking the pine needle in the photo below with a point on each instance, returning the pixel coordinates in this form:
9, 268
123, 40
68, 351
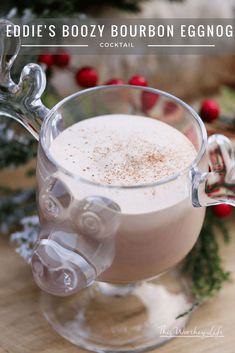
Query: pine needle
204, 265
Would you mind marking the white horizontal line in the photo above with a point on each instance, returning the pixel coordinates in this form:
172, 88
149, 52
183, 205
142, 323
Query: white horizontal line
182, 45
191, 336
54, 45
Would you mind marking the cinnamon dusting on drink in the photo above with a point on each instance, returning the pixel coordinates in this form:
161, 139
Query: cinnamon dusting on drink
123, 150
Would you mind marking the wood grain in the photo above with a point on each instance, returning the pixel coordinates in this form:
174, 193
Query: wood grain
24, 330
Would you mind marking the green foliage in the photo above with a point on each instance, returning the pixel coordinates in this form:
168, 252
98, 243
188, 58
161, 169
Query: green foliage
63, 8
67, 7
15, 150
15, 205
204, 263
226, 100
26, 237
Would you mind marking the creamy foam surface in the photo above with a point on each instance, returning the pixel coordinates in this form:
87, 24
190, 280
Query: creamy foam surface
122, 150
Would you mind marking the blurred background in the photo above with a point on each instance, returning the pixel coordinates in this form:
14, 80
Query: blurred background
186, 76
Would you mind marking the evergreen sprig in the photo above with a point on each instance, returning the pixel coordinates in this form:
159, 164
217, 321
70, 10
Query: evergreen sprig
15, 205
63, 7
15, 150
203, 264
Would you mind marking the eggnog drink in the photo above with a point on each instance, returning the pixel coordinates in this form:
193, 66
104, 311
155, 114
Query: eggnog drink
125, 158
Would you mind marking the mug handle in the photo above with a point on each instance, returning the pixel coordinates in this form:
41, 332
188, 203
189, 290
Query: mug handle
218, 184
21, 101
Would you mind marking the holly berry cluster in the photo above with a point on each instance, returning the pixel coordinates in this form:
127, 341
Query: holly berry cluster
210, 110
88, 77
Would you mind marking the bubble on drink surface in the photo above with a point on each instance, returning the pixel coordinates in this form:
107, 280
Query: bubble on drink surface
97, 217
54, 198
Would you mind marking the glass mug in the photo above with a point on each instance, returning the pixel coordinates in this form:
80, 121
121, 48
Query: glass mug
88, 235
88, 232
99, 261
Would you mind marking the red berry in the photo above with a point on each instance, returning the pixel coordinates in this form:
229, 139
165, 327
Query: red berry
170, 107
210, 110
148, 100
62, 59
47, 59
115, 81
87, 77
223, 210
138, 81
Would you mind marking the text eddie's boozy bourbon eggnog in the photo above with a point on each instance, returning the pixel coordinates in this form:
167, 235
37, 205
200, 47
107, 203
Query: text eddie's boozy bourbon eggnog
158, 223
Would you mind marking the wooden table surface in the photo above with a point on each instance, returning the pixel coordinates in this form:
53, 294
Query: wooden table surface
24, 330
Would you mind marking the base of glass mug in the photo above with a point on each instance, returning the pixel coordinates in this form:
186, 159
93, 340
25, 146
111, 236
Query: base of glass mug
115, 318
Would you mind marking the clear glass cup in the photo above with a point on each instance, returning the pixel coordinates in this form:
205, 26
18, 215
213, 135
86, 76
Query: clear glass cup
89, 239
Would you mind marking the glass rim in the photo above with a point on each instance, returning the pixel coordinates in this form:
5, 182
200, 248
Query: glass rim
162, 181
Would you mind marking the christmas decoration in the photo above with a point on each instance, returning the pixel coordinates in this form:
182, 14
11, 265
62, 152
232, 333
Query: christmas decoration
148, 100
226, 100
138, 80
47, 59
26, 239
204, 264
169, 107
58, 7
62, 59
115, 81
222, 210
86, 77
15, 149
210, 110
14, 205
